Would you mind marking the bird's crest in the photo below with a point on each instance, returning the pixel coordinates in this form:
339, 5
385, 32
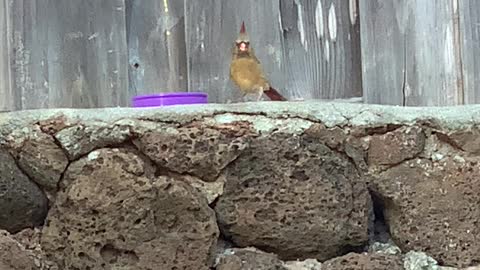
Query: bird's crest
243, 36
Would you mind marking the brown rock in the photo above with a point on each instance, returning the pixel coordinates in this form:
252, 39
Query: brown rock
13, 255
248, 259
308, 264
338, 138
295, 197
396, 146
198, 150
210, 190
357, 149
23, 204
433, 207
355, 261
332, 137
114, 213
54, 124
42, 160
467, 140
80, 139
29, 239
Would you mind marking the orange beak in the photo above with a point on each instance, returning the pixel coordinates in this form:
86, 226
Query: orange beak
243, 47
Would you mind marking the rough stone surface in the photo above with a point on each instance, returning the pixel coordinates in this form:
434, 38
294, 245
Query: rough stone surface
333, 137
29, 239
211, 190
13, 255
80, 139
386, 248
418, 160
419, 260
396, 146
114, 213
295, 197
23, 204
308, 264
356, 261
248, 259
42, 160
198, 150
432, 206
468, 140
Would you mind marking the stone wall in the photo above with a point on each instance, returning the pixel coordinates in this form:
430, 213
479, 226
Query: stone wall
245, 186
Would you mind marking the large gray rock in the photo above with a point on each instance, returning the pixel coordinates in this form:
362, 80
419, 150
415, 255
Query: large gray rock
23, 204
295, 197
114, 213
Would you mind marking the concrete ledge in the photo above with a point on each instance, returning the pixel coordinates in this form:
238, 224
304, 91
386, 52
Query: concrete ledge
268, 183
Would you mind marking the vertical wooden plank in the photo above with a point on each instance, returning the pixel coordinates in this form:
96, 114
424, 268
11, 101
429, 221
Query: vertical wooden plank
69, 53
156, 46
469, 16
409, 53
383, 51
211, 29
29, 66
6, 94
433, 72
322, 48
87, 53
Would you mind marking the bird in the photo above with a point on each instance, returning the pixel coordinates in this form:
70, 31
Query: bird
246, 71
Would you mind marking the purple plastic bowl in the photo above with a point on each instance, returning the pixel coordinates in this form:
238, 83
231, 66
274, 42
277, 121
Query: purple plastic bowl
167, 99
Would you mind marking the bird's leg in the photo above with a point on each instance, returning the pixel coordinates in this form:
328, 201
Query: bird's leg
244, 97
259, 95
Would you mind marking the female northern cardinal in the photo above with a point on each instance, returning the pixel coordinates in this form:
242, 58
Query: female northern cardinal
246, 71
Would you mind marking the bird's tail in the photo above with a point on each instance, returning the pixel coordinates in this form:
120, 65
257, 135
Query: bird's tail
274, 95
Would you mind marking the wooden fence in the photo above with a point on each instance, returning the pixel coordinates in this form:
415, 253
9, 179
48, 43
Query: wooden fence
91, 53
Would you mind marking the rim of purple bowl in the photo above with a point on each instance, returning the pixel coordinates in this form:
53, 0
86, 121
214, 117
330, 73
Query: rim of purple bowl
172, 95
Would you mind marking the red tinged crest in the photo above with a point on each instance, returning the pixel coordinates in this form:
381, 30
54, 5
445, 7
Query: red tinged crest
242, 29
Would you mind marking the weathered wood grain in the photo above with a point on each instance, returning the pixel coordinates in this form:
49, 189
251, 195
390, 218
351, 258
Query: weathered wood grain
211, 29
156, 46
321, 48
469, 36
29, 54
69, 53
383, 51
409, 52
90, 66
6, 94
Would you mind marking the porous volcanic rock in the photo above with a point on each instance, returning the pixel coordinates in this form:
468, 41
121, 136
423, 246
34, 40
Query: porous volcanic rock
396, 146
80, 139
468, 140
433, 207
23, 204
13, 255
113, 212
308, 264
248, 259
357, 261
42, 160
197, 149
294, 196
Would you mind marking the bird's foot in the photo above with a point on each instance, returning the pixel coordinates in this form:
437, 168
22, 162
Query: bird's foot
259, 96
